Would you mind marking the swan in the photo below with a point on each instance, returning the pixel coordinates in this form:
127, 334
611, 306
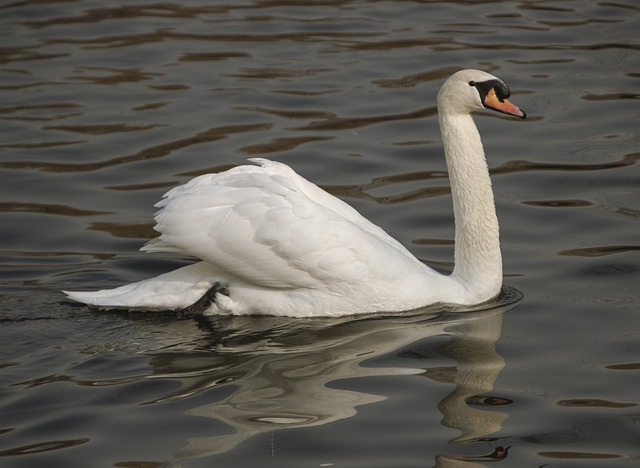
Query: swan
270, 242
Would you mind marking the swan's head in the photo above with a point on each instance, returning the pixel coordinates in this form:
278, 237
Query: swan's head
469, 90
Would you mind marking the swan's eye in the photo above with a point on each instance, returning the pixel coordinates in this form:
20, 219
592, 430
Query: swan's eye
472, 83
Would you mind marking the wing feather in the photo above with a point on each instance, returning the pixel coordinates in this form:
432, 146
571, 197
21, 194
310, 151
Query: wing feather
270, 227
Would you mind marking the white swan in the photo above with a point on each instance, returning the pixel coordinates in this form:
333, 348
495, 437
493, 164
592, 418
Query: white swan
271, 242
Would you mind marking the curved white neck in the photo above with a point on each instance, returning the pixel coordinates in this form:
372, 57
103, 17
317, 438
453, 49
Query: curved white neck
478, 261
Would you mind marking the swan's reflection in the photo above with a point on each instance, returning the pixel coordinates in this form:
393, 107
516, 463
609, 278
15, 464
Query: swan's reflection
472, 347
278, 372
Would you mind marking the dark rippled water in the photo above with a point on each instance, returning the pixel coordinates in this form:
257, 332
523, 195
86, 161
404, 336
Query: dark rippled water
106, 105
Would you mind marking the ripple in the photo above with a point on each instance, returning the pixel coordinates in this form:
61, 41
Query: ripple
270, 73
408, 81
281, 144
40, 112
630, 159
157, 151
62, 210
212, 56
594, 403
579, 455
43, 447
345, 123
601, 251
113, 76
102, 129
558, 203
611, 269
108, 103
125, 230
606, 300
97, 15
610, 96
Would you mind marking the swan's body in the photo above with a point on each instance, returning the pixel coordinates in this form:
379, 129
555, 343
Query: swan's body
270, 242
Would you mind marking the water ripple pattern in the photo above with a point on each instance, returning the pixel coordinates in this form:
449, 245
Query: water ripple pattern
104, 106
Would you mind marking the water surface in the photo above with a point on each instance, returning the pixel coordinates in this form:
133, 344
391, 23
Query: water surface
106, 105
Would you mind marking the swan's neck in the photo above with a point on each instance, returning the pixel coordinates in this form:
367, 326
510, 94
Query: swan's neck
478, 262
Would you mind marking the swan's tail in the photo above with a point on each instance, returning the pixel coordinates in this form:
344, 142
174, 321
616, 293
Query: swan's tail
175, 290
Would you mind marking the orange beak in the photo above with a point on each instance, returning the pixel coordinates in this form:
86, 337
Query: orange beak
491, 101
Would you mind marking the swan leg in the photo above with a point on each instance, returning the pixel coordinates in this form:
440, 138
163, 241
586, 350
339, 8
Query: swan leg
201, 305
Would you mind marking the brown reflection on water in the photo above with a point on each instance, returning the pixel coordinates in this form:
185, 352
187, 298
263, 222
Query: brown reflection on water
150, 106
40, 447
102, 129
291, 114
281, 144
608, 97
32, 112
112, 76
43, 208
558, 203
524, 165
595, 403
583, 22
149, 186
19, 54
272, 73
125, 230
541, 61
628, 366
600, 251
211, 56
46, 144
170, 87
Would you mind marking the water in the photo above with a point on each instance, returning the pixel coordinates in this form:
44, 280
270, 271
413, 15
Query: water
106, 105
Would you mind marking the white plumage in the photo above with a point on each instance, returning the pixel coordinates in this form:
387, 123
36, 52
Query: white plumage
271, 242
